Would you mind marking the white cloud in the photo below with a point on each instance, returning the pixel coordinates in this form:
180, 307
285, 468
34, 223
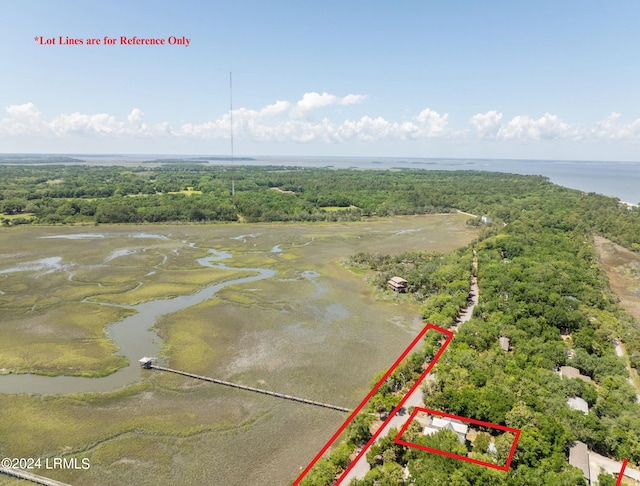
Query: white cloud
486, 125
281, 122
78, 123
135, 117
313, 101
27, 110
26, 119
547, 127
23, 119
352, 99
215, 129
276, 108
365, 129
612, 129
523, 128
431, 124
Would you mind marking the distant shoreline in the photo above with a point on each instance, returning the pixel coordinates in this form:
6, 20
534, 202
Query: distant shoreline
610, 178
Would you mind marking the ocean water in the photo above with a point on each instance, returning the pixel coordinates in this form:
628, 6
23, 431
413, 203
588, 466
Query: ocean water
616, 179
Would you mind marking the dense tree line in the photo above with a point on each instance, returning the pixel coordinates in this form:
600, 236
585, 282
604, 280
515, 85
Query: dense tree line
77, 193
542, 288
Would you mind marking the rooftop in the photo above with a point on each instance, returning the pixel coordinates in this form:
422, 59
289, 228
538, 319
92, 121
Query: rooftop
577, 403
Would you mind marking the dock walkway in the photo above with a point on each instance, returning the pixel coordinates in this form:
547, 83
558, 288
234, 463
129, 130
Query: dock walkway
250, 388
34, 478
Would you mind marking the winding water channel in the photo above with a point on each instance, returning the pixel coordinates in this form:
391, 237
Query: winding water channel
134, 336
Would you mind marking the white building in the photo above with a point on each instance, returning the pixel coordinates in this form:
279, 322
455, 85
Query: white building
505, 343
445, 423
577, 403
486, 219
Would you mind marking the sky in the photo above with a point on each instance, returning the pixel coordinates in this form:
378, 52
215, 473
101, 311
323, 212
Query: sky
553, 79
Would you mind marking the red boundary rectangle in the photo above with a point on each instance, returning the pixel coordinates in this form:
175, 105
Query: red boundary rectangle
417, 410
449, 335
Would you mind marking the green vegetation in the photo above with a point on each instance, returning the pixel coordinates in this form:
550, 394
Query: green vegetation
52, 321
538, 273
76, 345
540, 286
99, 194
440, 281
74, 193
131, 435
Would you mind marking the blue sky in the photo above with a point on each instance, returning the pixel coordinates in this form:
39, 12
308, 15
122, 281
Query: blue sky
497, 79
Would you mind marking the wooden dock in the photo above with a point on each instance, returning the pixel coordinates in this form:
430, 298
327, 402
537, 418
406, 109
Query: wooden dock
250, 388
34, 478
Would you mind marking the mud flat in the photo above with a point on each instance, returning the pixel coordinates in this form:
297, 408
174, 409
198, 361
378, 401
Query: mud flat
307, 327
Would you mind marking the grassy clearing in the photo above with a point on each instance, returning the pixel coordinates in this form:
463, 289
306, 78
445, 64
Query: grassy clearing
106, 276
190, 341
186, 192
239, 297
137, 430
333, 209
28, 216
8, 481
621, 267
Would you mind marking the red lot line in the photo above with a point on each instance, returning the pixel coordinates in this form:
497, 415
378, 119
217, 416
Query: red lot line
624, 466
505, 467
449, 335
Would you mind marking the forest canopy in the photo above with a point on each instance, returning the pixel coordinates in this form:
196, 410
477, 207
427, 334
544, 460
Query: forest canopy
68, 194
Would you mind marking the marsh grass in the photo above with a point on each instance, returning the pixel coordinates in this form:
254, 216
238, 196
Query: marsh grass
75, 345
314, 330
50, 325
8, 481
621, 266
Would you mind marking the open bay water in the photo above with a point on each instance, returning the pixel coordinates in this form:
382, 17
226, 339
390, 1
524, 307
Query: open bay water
611, 178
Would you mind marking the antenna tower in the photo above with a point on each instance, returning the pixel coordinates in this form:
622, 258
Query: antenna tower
233, 174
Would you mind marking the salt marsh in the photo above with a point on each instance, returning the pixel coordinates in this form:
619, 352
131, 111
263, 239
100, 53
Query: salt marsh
309, 327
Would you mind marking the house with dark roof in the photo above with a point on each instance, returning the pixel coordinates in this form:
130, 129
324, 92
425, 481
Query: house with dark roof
569, 372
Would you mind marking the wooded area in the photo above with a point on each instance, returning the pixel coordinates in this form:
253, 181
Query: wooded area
67, 194
542, 288
538, 273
